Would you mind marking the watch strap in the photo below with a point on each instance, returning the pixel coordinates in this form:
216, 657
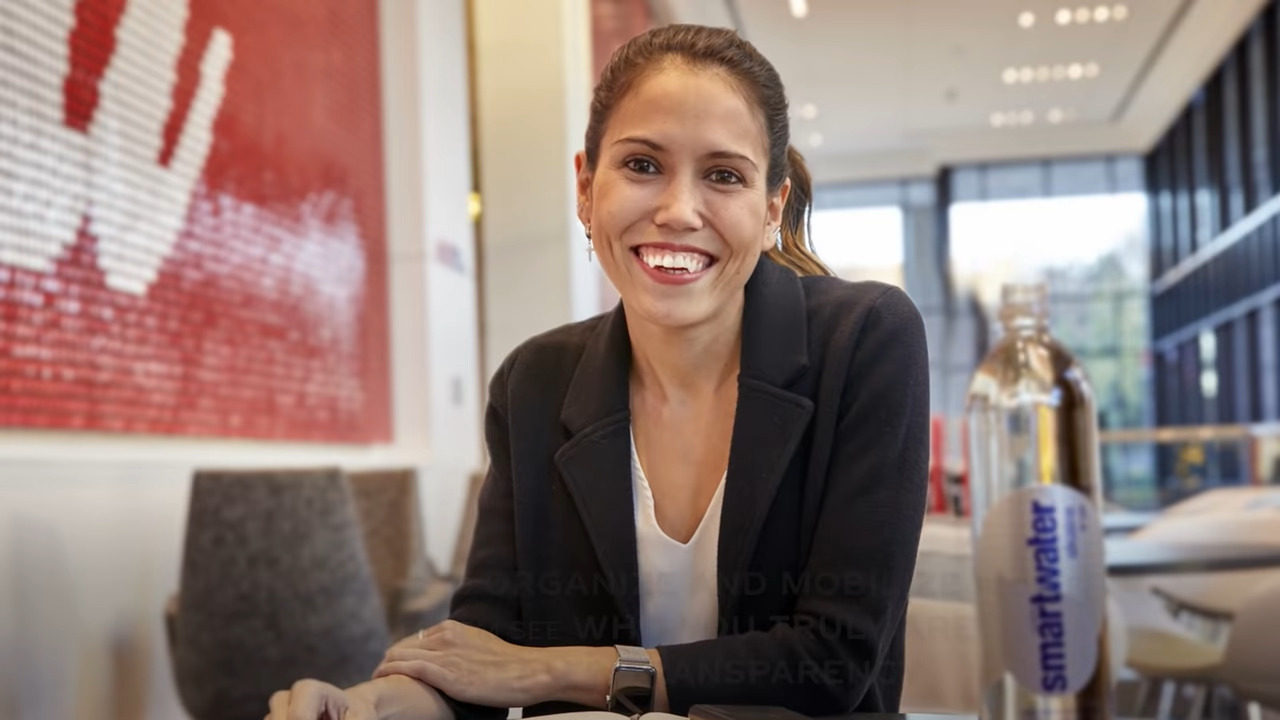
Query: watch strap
632, 654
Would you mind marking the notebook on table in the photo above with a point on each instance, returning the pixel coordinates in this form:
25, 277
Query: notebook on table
697, 712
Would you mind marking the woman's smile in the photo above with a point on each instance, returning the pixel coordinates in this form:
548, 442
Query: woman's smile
673, 264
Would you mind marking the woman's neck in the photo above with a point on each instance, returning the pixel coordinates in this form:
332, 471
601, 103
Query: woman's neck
683, 363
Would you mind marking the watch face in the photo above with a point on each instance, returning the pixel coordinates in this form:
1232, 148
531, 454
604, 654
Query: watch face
635, 684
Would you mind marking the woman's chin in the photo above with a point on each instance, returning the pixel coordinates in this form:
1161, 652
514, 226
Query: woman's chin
668, 313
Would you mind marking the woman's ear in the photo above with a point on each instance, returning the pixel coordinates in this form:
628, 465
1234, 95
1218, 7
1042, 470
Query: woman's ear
583, 184
774, 213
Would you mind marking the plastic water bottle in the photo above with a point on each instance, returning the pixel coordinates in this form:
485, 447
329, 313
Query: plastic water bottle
1037, 536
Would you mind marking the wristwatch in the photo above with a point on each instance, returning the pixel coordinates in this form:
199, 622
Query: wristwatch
631, 690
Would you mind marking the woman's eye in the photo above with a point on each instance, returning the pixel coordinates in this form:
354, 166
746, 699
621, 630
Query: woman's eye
726, 177
641, 165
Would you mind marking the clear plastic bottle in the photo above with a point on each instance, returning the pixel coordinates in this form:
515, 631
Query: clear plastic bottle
1037, 539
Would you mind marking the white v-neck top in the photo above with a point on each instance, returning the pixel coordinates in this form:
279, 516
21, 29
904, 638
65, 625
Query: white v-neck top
678, 602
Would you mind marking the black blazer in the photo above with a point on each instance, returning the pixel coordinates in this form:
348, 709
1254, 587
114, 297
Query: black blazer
822, 507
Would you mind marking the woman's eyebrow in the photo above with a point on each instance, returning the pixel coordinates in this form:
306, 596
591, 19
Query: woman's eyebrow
715, 154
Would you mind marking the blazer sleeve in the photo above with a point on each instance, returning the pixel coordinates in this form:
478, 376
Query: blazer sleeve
835, 647
488, 596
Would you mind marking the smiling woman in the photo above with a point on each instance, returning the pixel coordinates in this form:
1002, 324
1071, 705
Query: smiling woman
713, 494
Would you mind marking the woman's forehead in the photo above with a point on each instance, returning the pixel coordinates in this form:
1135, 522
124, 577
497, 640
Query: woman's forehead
687, 109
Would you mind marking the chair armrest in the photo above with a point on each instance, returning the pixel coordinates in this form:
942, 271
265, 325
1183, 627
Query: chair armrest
1205, 607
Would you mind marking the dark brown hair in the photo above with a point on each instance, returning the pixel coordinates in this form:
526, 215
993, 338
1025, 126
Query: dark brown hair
722, 50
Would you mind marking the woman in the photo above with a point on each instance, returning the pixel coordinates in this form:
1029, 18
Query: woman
712, 494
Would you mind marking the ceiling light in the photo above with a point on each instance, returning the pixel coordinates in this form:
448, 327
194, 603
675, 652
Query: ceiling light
1042, 73
1075, 71
1054, 116
1083, 14
1101, 14
1027, 74
1009, 76
815, 139
1119, 13
1063, 16
1026, 20
1016, 118
1059, 72
1091, 70
808, 111
799, 8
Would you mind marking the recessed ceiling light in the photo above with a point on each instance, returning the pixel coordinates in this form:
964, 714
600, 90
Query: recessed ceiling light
1054, 116
815, 139
808, 111
1063, 16
1101, 14
1009, 76
1059, 72
799, 8
1075, 71
1092, 70
1015, 118
1026, 20
1119, 13
1083, 15
1027, 74
1042, 73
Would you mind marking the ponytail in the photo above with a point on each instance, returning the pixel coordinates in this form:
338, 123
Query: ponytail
795, 250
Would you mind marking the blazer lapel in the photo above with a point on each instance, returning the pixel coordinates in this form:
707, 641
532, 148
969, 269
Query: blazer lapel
769, 421
596, 461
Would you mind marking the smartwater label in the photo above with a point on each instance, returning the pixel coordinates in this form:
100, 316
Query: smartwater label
1042, 588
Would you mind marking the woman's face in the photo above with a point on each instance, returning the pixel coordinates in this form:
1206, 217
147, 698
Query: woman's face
677, 204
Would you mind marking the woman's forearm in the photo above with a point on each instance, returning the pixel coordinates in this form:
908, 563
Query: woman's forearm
581, 675
399, 697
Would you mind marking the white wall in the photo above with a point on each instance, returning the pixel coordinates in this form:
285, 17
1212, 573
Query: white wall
533, 92
91, 524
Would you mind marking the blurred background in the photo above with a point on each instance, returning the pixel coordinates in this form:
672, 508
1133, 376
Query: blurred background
259, 258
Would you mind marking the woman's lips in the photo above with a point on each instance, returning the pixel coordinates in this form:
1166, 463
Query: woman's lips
670, 277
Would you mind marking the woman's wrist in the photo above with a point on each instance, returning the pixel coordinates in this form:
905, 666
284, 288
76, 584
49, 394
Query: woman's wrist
579, 675
397, 697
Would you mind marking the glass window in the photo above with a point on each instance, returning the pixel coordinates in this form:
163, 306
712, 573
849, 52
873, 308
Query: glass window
1090, 250
864, 243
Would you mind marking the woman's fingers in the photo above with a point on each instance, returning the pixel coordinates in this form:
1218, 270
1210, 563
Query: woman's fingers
420, 670
278, 706
432, 636
307, 700
403, 654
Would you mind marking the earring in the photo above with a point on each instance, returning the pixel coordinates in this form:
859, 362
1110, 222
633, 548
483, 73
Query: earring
590, 247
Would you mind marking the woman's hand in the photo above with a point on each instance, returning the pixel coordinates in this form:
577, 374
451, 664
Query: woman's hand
315, 700
472, 665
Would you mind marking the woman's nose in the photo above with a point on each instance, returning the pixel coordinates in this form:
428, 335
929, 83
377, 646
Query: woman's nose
679, 207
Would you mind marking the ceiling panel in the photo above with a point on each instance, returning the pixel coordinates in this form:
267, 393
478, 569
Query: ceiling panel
902, 87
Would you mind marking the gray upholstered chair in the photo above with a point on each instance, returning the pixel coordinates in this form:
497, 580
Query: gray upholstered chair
414, 594
275, 586
467, 529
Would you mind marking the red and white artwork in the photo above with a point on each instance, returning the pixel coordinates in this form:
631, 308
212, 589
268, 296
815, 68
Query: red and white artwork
191, 218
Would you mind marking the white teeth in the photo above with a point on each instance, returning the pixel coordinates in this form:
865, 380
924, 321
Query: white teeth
687, 261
